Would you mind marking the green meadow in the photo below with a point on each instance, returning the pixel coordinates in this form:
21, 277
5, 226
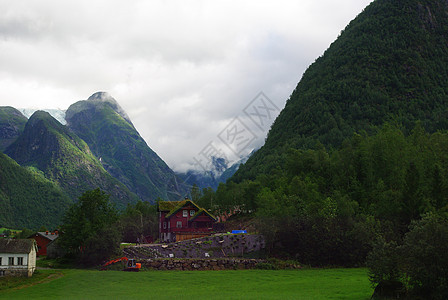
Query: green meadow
3, 229
239, 284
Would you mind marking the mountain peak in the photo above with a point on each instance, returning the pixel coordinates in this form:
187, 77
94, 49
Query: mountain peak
102, 96
40, 115
98, 99
105, 127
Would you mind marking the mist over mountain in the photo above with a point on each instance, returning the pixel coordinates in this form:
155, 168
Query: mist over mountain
219, 172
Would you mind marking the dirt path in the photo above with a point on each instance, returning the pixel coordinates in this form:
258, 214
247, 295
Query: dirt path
49, 278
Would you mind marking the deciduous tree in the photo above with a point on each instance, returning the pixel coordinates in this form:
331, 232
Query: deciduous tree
90, 231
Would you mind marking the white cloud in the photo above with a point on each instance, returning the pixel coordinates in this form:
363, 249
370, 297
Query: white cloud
181, 69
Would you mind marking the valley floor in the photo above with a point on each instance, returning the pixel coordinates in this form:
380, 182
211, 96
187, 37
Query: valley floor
241, 284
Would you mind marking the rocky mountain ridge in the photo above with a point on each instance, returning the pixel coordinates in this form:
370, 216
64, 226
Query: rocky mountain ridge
64, 158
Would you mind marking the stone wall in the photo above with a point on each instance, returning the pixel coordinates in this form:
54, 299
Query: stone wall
17, 272
200, 264
214, 246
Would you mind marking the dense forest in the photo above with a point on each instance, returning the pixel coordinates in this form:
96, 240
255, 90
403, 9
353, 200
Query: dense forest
390, 64
27, 198
326, 206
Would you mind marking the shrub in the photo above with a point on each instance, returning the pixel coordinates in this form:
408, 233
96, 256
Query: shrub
383, 261
419, 263
425, 256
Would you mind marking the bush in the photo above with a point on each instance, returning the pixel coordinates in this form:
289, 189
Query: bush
383, 262
425, 256
419, 263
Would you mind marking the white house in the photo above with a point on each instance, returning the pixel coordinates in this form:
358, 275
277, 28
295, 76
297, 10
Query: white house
17, 257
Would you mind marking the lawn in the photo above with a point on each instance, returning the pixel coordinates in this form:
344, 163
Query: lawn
3, 229
241, 284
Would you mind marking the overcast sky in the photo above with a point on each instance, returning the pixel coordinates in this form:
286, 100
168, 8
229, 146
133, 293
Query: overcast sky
188, 73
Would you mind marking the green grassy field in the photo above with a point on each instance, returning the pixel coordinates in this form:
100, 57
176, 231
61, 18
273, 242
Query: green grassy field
2, 229
242, 284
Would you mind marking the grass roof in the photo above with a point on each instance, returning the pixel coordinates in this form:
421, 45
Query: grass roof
170, 205
174, 206
202, 211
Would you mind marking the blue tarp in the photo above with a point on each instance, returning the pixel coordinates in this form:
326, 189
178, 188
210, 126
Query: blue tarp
239, 231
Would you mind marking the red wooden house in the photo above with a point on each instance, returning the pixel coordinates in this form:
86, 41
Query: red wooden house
183, 220
43, 239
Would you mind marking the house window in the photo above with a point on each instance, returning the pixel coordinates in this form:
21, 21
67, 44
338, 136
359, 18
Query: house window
192, 213
185, 213
164, 225
20, 261
179, 224
1, 261
11, 261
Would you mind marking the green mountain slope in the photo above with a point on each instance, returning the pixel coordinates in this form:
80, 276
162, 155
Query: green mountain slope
105, 127
64, 158
389, 64
12, 124
27, 199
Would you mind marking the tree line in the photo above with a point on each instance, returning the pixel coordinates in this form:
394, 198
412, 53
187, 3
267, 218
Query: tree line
380, 194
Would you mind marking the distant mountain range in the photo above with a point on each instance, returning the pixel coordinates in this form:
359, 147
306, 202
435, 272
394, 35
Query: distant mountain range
64, 158
56, 155
219, 173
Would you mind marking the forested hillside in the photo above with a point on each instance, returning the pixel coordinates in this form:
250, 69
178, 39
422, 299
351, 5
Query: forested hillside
360, 151
389, 64
27, 199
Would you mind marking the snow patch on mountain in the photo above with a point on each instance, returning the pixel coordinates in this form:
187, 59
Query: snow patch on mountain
58, 114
